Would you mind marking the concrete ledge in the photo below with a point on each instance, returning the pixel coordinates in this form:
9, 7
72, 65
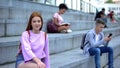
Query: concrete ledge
70, 40
76, 59
22, 10
11, 27
14, 13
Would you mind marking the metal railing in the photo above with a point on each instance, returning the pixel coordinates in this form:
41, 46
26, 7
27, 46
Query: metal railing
79, 5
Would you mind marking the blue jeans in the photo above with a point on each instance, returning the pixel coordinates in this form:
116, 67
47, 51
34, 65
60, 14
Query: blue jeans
19, 60
98, 51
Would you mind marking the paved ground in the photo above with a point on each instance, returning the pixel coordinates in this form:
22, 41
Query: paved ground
116, 62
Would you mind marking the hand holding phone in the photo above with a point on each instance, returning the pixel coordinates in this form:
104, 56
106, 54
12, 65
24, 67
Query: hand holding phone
110, 35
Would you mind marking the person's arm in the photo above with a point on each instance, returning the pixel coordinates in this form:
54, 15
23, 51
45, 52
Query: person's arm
26, 47
55, 21
65, 24
39, 63
92, 42
27, 51
107, 39
46, 50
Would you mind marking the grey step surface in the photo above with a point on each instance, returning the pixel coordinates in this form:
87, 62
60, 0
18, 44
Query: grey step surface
13, 18
11, 65
70, 40
22, 9
14, 15
75, 58
116, 62
11, 27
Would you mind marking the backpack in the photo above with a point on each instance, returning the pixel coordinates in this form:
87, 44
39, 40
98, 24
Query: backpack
83, 41
83, 44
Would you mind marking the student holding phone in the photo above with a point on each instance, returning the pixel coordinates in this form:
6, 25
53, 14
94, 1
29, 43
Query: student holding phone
96, 38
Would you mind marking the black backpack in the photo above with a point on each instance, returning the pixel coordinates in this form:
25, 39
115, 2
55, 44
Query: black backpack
83, 40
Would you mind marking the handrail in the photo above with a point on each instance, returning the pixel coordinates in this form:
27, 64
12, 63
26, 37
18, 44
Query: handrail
78, 5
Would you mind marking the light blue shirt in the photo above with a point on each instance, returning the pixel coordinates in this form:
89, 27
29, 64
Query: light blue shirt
91, 39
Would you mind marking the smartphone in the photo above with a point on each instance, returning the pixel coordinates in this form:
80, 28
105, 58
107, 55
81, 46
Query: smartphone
110, 35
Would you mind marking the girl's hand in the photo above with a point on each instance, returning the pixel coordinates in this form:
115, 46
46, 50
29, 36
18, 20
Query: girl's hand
41, 65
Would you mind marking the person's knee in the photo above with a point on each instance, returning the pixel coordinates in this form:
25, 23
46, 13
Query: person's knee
66, 27
110, 49
97, 51
28, 65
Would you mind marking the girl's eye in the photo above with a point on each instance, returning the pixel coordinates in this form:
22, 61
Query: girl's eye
34, 21
39, 21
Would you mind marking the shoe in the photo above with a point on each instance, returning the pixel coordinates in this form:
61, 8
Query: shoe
69, 31
63, 31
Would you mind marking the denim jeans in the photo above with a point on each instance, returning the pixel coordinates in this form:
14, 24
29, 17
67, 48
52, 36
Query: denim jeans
98, 51
19, 60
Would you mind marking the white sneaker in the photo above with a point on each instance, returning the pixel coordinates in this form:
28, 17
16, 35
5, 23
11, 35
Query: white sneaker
69, 31
63, 31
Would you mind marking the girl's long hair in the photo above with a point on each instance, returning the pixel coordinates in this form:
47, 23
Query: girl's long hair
34, 14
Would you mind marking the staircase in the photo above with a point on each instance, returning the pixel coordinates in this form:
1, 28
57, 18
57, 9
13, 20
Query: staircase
64, 48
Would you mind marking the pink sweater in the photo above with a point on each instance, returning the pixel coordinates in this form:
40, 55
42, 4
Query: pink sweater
59, 17
35, 45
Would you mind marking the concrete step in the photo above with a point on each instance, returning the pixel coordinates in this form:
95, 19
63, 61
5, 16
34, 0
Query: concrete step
75, 59
56, 40
12, 27
22, 10
23, 13
18, 13
10, 65
116, 62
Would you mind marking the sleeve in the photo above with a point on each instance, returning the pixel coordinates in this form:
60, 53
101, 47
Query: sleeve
46, 49
92, 42
55, 15
26, 48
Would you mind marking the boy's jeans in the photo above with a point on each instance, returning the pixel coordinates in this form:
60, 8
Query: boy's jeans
98, 51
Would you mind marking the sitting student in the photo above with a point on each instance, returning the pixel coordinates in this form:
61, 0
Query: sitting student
102, 15
34, 47
56, 25
111, 16
95, 39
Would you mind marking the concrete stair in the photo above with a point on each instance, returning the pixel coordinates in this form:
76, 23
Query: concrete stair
64, 48
14, 13
75, 59
11, 27
71, 41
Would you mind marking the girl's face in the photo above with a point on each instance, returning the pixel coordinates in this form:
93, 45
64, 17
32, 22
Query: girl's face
62, 11
36, 23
